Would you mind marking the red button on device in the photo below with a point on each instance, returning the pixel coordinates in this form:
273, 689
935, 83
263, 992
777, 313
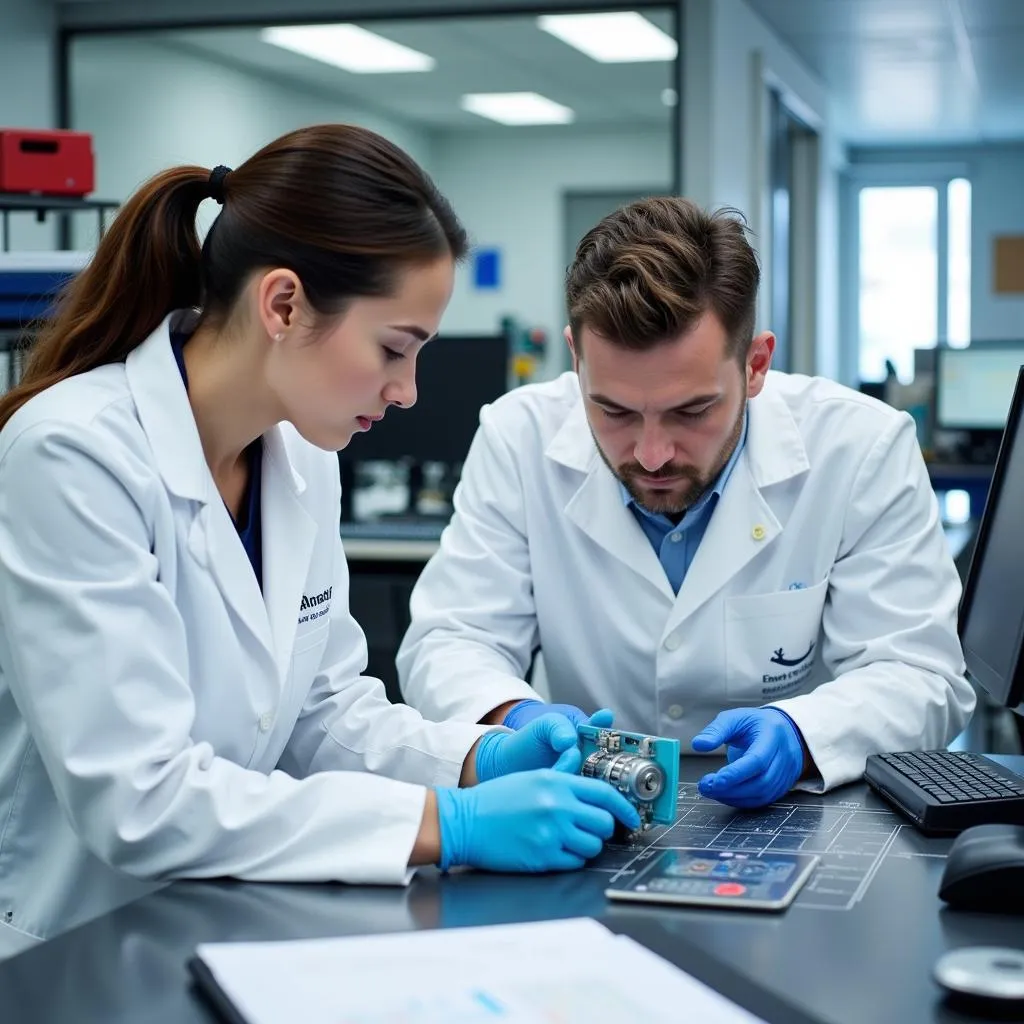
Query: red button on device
730, 889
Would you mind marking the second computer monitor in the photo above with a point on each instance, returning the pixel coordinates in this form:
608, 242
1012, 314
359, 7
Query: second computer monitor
455, 376
992, 609
974, 385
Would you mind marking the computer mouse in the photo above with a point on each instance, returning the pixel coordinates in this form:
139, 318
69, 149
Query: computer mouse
985, 981
985, 870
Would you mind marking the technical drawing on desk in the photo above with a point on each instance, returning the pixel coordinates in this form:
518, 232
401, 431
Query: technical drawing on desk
851, 839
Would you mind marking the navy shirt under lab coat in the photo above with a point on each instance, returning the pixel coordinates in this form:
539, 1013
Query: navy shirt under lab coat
249, 521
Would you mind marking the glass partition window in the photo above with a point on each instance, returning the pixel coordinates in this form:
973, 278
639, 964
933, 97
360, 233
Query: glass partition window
509, 113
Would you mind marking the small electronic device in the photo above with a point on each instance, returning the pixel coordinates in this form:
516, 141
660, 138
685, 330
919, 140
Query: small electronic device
985, 870
983, 981
719, 878
645, 769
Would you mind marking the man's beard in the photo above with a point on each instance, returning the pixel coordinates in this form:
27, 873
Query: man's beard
690, 485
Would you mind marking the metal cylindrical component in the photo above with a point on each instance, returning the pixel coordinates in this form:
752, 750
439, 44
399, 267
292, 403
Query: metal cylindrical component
637, 777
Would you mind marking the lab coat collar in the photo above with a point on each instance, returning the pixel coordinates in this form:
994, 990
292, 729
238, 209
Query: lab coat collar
166, 416
289, 536
573, 444
289, 531
743, 523
597, 510
596, 507
775, 447
164, 411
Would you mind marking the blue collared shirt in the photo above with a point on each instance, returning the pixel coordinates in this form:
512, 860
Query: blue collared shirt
676, 544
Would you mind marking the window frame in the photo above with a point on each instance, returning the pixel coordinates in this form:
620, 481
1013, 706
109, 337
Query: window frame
885, 175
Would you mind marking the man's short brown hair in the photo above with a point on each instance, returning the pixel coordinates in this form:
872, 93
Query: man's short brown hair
649, 271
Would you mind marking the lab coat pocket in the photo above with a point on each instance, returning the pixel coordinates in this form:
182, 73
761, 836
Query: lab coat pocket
308, 643
772, 642
307, 654
308, 640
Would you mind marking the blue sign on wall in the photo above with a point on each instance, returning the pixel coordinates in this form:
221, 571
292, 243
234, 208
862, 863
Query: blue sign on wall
486, 269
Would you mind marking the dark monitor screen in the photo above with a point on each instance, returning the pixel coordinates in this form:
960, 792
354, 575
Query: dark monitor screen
455, 376
973, 385
992, 609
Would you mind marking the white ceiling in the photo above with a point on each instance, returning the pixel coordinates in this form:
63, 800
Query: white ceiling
898, 71
912, 70
489, 54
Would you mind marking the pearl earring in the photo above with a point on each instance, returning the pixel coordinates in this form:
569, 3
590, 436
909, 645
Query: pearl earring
279, 336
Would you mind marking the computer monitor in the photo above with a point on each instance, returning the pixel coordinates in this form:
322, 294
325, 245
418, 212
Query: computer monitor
455, 376
991, 622
974, 385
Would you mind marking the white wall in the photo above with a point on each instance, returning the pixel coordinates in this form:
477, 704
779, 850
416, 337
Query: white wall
28, 32
508, 188
997, 194
739, 35
731, 57
151, 105
833, 159
997, 208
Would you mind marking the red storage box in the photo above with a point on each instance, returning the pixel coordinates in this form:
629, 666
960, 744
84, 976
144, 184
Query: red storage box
49, 163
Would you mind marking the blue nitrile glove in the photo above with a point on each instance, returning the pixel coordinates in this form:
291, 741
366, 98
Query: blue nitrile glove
766, 756
527, 710
530, 821
547, 742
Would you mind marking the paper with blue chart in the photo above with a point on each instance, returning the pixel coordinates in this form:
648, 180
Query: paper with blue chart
573, 971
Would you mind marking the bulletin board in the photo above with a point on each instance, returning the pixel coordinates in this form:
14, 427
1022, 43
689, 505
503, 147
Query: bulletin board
1008, 265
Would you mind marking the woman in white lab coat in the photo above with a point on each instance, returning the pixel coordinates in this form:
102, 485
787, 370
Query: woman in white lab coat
180, 677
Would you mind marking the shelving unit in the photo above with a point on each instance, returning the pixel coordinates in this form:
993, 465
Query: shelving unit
42, 206
28, 283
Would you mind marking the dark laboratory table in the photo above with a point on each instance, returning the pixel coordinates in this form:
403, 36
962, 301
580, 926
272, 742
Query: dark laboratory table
868, 962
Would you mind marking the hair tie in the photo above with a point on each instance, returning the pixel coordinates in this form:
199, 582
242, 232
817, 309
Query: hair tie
216, 183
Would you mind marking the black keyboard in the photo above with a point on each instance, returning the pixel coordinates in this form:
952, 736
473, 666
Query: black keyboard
944, 792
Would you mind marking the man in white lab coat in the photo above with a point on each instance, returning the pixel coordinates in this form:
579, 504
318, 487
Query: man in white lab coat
729, 555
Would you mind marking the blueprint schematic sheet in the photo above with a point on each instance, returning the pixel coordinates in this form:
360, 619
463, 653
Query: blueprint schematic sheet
851, 839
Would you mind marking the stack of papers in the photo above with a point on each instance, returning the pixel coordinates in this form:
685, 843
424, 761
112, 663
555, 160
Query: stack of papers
554, 972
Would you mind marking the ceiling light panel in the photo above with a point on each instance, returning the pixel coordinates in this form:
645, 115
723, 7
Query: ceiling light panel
348, 47
517, 108
622, 37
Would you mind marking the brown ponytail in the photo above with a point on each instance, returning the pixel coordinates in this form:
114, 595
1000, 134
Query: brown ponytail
339, 205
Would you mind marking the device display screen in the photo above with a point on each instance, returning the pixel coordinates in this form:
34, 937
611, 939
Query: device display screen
767, 880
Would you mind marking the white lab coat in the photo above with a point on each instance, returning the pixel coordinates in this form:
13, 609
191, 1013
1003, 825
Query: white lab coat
159, 716
826, 539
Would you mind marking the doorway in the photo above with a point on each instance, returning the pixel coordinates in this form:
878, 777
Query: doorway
794, 157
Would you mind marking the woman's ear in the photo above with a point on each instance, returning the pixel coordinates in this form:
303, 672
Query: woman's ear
278, 300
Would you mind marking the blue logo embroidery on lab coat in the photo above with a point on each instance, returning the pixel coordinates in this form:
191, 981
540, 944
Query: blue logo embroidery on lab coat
779, 658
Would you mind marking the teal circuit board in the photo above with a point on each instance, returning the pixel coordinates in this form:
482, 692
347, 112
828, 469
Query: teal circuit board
645, 769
